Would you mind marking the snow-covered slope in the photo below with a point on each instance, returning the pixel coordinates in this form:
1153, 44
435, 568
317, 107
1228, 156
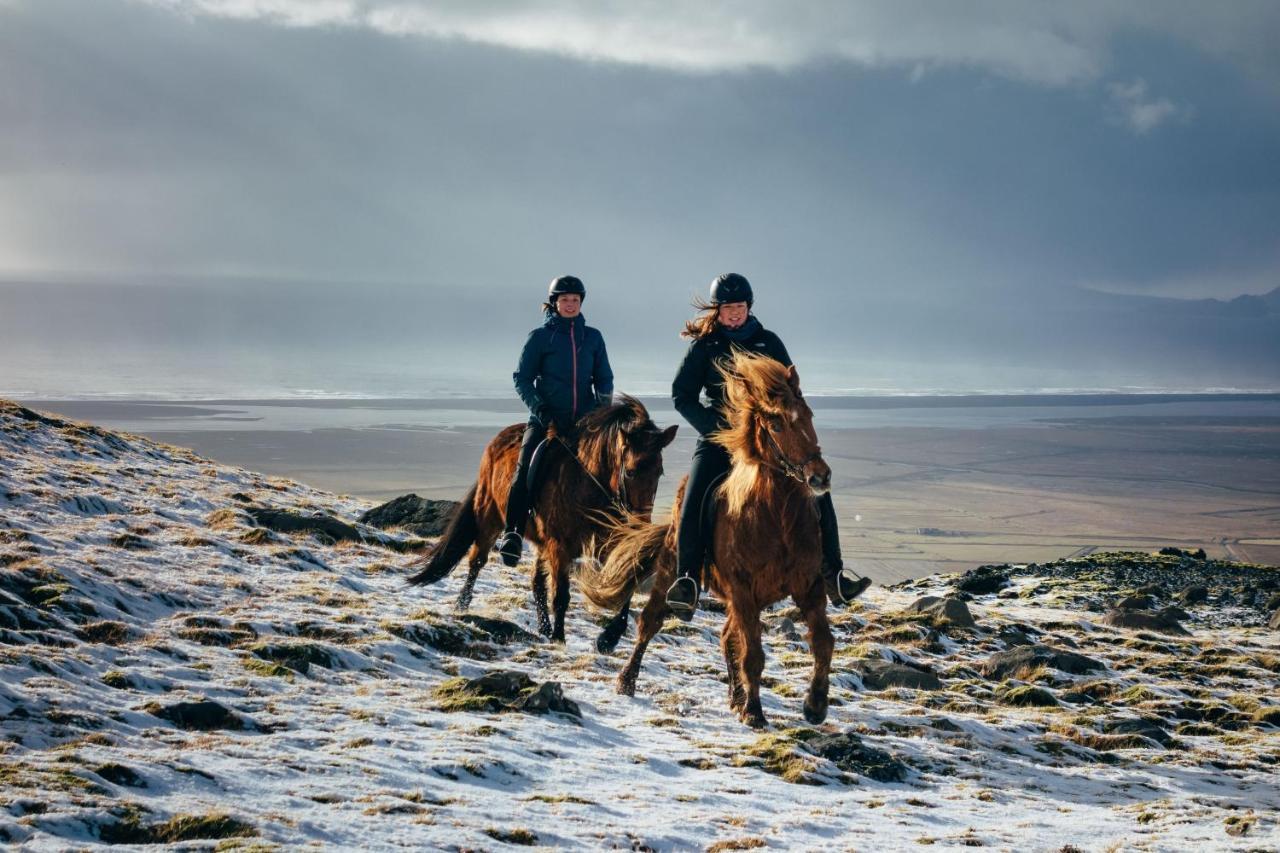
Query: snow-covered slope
172, 672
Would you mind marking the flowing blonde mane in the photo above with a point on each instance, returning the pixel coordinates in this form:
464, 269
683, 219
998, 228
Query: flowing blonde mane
753, 384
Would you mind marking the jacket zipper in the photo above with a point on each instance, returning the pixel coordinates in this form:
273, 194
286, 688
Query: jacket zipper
573, 353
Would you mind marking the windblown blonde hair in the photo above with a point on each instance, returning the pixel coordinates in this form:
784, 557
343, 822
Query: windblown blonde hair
705, 323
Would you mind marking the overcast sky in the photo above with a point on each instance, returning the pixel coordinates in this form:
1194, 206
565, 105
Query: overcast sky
845, 154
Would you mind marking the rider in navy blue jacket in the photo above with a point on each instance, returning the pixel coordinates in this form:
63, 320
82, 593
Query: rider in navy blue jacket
563, 374
728, 324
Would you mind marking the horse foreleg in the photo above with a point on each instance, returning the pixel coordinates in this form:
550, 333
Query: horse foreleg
540, 596
616, 627
813, 606
647, 626
737, 697
751, 654
557, 572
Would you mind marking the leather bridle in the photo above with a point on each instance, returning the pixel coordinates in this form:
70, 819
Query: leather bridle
785, 465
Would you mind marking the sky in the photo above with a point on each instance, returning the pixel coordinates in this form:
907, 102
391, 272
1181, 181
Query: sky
925, 195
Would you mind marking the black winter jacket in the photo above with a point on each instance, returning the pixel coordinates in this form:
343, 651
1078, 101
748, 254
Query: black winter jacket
564, 370
698, 373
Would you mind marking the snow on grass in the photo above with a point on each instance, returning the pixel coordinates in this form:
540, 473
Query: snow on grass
172, 674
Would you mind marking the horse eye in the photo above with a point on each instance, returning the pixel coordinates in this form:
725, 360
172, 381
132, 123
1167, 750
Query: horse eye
775, 423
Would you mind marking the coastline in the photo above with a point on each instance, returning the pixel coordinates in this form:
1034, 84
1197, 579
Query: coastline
919, 488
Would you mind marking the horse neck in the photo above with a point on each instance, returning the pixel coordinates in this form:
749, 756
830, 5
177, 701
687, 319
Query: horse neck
599, 463
756, 483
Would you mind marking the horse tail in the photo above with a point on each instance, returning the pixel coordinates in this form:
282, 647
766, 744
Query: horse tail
635, 548
459, 534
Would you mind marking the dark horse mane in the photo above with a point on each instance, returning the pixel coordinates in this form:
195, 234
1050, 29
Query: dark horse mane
600, 432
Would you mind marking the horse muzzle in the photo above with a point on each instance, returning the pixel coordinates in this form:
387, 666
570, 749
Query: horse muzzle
818, 477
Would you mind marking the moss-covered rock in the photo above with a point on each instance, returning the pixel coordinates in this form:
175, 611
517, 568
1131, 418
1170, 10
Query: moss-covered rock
299, 657
108, 633
131, 829
1025, 695
984, 580
798, 756
880, 674
205, 715
1269, 716
518, 837
119, 774
1026, 658
504, 690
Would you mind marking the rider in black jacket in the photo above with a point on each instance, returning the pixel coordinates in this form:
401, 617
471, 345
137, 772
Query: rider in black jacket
728, 325
563, 374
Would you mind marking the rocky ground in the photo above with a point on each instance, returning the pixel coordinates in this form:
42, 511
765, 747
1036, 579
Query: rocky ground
197, 655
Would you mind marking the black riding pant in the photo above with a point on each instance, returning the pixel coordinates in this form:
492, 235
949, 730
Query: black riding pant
710, 460
518, 496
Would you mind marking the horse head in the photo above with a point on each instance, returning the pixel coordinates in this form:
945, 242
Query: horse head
770, 424
622, 447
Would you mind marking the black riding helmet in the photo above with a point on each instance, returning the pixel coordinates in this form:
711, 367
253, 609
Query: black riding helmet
731, 287
566, 284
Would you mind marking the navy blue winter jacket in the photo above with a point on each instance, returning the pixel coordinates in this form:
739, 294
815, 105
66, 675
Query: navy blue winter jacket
564, 370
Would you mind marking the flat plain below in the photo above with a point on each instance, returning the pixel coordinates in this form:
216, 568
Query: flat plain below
920, 487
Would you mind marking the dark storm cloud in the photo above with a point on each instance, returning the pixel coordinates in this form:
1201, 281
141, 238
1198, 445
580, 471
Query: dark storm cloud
890, 168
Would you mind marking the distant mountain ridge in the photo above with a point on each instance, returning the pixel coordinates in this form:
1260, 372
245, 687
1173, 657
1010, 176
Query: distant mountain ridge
1245, 305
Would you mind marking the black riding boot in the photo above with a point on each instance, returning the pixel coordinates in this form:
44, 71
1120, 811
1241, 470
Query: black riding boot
512, 542
710, 460
843, 585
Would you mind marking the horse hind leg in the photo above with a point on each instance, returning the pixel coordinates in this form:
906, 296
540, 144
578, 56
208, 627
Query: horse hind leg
813, 607
476, 560
488, 525
539, 585
615, 627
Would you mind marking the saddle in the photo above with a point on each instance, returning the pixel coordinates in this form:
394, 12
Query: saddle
537, 474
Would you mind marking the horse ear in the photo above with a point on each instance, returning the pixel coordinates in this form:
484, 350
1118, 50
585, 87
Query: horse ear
793, 379
668, 435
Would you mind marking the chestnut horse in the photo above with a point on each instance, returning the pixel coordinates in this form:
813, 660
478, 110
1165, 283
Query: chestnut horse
614, 472
765, 545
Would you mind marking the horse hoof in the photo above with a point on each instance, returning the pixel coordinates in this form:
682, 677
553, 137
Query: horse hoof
626, 688
755, 721
814, 715
605, 644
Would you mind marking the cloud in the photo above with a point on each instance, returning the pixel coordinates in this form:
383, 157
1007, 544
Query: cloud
1133, 107
1046, 43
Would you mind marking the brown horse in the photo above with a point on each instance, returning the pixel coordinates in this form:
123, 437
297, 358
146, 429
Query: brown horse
614, 472
765, 544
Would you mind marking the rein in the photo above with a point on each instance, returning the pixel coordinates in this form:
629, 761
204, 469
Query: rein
619, 499
791, 469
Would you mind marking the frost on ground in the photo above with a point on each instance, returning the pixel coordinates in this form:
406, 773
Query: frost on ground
173, 672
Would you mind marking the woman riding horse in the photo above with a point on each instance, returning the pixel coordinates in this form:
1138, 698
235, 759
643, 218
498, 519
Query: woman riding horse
563, 374
726, 325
